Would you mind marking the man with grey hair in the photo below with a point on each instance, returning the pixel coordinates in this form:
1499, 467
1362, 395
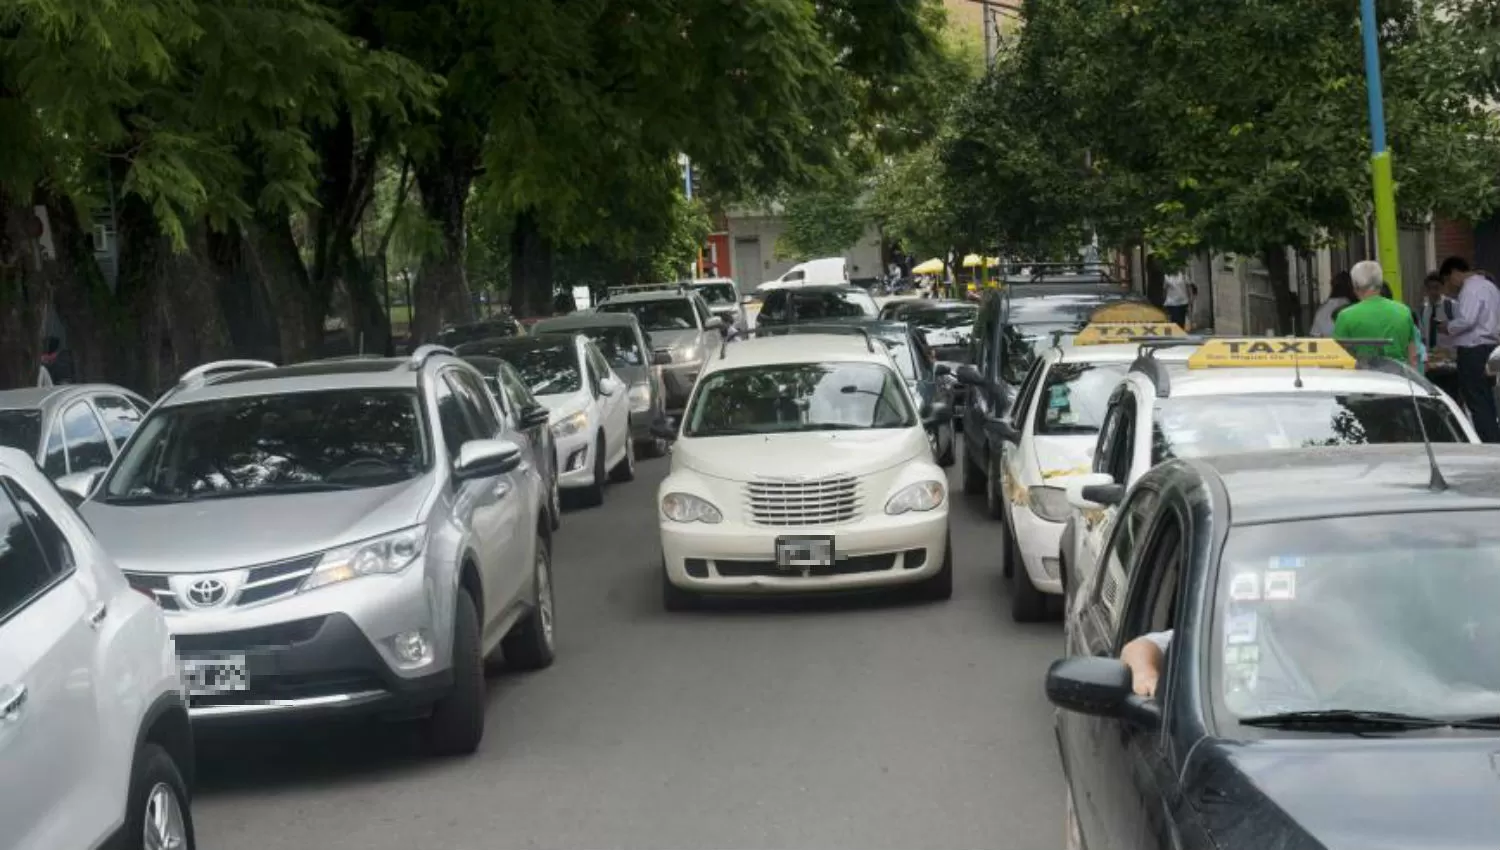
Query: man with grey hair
1377, 317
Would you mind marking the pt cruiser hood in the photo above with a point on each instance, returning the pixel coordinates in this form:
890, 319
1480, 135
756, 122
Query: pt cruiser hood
229, 533
1431, 792
802, 455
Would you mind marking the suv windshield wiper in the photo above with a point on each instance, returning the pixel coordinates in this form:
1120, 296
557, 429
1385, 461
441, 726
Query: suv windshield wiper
143, 499
274, 489
1354, 719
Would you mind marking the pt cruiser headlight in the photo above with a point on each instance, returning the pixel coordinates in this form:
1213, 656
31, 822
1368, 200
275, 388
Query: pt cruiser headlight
380, 556
574, 424
680, 507
640, 398
1049, 503
920, 497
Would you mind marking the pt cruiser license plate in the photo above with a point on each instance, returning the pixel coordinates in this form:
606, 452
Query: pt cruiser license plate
209, 676
793, 553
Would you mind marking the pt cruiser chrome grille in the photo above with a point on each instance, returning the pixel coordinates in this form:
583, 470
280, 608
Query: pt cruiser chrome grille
821, 502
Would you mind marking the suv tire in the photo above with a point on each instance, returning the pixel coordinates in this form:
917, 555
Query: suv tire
456, 725
625, 469
158, 803
529, 644
592, 496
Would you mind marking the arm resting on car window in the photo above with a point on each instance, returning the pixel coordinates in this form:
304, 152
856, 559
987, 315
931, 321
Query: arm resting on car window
1144, 658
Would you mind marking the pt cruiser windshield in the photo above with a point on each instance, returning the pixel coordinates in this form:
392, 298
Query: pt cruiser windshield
799, 397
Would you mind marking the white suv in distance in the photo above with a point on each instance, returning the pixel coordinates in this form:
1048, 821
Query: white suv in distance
95, 744
803, 465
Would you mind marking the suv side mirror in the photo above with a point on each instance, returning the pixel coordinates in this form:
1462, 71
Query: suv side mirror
942, 370
1099, 687
968, 375
661, 358
610, 385
535, 416
77, 488
714, 323
662, 431
1094, 491
486, 458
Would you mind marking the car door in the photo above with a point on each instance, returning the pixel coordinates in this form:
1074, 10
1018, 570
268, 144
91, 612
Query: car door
49, 724
1115, 455
88, 445
519, 399
614, 408
477, 502
518, 492
1010, 462
119, 416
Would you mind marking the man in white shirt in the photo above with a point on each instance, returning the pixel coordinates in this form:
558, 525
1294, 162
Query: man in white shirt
1475, 331
1177, 297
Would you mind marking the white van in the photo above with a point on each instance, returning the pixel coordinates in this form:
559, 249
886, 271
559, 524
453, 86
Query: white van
828, 270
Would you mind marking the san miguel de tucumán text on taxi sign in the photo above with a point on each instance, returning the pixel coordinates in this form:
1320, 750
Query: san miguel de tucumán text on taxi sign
1271, 352
1115, 333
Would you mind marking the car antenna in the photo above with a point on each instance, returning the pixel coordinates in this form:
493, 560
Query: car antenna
1435, 482
1296, 368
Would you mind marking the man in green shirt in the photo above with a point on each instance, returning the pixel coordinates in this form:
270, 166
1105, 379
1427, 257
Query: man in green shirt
1376, 317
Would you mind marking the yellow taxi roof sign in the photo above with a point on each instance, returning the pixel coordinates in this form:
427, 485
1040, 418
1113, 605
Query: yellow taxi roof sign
1271, 352
1103, 333
1128, 312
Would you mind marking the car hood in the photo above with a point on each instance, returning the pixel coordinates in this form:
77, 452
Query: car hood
1059, 457
223, 534
807, 455
1437, 793
564, 405
662, 340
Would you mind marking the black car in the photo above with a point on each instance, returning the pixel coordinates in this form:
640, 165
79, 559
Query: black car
1326, 626
492, 328
830, 303
1015, 323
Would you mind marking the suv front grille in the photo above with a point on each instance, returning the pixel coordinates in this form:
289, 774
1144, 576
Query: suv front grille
156, 587
789, 503
261, 583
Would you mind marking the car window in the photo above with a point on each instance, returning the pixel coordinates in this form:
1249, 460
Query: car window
1153, 585
1125, 537
88, 448
796, 275
664, 314
619, 344
773, 307
55, 460
597, 361
53, 542
139, 404
516, 393
120, 416
21, 429
1122, 454
702, 307
1023, 394
457, 424
831, 304
721, 294
1022, 345
983, 352
799, 397
1075, 397
24, 569
321, 440
476, 400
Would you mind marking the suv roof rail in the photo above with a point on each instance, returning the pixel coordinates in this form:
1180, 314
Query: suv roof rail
419, 357
809, 327
200, 375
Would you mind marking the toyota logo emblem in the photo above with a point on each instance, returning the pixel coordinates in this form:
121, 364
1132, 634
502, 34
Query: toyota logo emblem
207, 592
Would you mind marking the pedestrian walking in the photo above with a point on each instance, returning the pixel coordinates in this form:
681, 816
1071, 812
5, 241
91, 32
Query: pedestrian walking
1374, 316
1340, 295
1475, 330
1177, 297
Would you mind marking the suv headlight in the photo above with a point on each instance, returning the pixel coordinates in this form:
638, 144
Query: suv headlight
381, 556
574, 424
681, 507
1049, 503
640, 398
920, 497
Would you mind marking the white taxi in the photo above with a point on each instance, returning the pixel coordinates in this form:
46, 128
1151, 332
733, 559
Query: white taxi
803, 465
1050, 435
1240, 395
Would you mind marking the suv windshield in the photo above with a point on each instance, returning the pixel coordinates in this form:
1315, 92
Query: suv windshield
799, 397
946, 319
1371, 613
1195, 426
718, 294
21, 429
1075, 397
1023, 344
549, 370
668, 314
786, 305
297, 442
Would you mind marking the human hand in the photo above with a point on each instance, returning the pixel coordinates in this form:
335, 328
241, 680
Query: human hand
1144, 683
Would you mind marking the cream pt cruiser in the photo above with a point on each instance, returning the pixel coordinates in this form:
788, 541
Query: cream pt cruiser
803, 465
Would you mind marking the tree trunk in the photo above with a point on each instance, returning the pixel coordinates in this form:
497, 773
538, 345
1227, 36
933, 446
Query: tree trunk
195, 317
442, 281
96, 329
272, 259
25, 288
531, 280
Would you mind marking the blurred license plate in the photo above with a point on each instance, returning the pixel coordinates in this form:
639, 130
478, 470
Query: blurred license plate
207, 676
795, 552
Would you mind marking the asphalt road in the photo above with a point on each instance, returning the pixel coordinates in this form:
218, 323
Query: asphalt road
857, 724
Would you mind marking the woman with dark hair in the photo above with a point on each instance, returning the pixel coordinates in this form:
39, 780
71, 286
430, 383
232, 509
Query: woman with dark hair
1340, 295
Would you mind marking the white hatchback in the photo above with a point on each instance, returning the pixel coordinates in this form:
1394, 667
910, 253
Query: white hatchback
95, 744
803, 465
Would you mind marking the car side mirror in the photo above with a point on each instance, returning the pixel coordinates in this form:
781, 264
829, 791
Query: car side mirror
661, 358
535, 416
1100, 687
714, 323
77, 488
942, 370
662, 431
1002, 430
968, 375
610, 386
486, 458
1075, 486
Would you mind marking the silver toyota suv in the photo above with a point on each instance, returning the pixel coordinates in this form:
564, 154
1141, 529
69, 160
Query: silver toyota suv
342, 536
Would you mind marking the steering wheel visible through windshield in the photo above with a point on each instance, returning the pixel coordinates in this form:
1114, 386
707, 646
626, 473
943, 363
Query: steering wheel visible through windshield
297, 442
799, 397
668, 314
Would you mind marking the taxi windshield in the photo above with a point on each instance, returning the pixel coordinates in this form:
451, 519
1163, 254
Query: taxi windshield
799, 397
1370, 613
718, 294
1195, 426
941, 319
1075, 397
1024, 343
667, 314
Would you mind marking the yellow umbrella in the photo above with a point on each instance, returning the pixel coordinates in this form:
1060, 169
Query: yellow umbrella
972, 261
932, 266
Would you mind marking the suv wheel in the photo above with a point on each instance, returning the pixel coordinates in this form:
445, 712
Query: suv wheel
456, 725
593, 495
159, 817
529, 645
625, 469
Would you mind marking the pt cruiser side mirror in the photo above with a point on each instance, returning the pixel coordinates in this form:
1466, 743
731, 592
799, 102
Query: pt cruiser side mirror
486, 458
1100, 687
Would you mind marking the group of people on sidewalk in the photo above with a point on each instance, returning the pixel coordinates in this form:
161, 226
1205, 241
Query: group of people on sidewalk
1460, 313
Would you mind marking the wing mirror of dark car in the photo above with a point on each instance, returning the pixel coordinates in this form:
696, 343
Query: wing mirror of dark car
77, 488
1002, 430
968, 375
942, 370
663, 431
661, 358
486, 458
535, 416
1099, 687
